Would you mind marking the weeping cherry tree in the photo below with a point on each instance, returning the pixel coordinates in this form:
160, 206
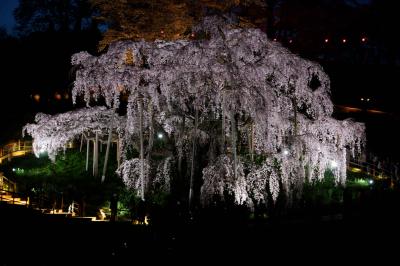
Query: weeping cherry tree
248, 117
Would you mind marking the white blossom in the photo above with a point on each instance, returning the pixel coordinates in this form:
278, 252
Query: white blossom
219, 178
162, 180
129, 170
52, 133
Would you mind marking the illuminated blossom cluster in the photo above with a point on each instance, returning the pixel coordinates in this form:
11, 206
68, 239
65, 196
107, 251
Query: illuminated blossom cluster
219, 179
231, 91
130, 173
162, 180
51, 134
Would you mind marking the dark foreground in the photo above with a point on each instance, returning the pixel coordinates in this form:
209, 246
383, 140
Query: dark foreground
362, 234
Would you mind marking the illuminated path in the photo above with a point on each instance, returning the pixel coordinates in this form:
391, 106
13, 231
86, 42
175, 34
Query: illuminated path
15, 149
8, 187
13, 198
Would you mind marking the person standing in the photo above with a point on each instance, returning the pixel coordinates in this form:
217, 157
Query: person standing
114, 207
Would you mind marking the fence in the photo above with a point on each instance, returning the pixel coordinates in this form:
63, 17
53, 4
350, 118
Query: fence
15, 149
371, 169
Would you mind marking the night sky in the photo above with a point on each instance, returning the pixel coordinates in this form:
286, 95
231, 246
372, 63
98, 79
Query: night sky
7, 7
6, 16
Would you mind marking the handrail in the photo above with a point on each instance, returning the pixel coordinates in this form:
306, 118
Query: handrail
14, 195
371, 169
15, 149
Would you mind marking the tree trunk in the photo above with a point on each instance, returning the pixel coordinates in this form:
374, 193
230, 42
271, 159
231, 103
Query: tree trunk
118, 152
96, 156
151, 132
107, 154
233, 142
83, 207
62, 202
251, 141
80, 148
141, 148
87, 153
181, 134
223, 125
196, 118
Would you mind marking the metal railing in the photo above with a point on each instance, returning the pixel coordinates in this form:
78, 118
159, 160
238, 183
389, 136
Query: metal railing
14, 198
371, 169
15, 149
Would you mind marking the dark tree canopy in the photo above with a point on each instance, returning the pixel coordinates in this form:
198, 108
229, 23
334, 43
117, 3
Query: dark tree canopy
167, 19
57, 15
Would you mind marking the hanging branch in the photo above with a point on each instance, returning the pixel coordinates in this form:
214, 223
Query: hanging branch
223, 123
96, 155
87, 153
151, 131
118, 151
294, 103
196, 118
107, 154
140, 105
80, 148
52, 133
233, 142
180, 152
251, 141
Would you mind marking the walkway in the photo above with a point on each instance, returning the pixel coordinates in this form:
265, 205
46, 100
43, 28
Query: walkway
13, 198
15, 149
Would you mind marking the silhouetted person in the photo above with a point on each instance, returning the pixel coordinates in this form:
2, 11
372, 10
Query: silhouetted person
141, 211
114, 207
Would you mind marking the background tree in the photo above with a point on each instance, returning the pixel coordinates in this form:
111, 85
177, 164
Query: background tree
42, 56
148, 20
